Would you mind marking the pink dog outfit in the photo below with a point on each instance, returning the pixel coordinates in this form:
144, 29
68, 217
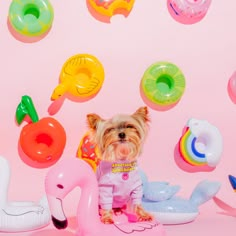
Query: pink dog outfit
119, 182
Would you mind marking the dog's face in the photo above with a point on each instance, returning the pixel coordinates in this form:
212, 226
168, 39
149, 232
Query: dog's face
122, 136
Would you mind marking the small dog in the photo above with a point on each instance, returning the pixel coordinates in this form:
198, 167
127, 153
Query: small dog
120, 140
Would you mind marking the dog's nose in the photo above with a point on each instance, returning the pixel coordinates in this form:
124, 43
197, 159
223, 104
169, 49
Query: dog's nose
121, 135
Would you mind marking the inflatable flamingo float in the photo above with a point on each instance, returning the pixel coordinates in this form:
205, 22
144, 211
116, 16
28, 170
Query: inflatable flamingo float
227, 209
19, 216
67, 174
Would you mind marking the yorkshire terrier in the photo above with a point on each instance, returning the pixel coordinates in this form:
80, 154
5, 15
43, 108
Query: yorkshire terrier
120, 140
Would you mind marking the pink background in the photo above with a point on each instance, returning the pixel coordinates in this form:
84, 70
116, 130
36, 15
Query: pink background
205, 52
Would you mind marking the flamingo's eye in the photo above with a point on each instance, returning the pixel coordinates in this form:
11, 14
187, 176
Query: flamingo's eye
60, 186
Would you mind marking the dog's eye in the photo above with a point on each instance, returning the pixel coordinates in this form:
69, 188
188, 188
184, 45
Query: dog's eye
109, 130
129, 126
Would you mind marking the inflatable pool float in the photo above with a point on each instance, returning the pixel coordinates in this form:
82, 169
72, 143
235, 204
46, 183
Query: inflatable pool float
162, 85
232, 87
104, 10
32, 19
201, 144
188, 11
19, 216
42, 141
159, 198
88, 152
70, 173
82, 76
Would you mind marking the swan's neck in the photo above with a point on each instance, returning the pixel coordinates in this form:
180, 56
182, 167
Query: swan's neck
4, 181
87, 213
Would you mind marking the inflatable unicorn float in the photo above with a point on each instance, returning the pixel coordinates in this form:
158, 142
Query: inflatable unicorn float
19, 216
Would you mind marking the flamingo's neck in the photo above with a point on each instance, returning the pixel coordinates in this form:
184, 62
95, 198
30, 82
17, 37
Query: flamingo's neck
87, 213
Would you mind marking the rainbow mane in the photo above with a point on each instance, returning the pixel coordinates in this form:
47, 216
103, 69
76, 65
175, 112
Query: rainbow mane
188, 150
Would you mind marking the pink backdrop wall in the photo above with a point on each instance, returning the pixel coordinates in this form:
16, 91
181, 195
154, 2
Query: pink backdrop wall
205, 52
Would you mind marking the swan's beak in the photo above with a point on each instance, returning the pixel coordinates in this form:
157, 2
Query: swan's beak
58, 217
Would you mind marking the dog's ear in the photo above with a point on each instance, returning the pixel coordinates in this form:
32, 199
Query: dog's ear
142, 113
92, 120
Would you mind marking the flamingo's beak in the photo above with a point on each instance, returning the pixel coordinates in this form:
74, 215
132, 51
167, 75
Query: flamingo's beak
56, 207
59, 224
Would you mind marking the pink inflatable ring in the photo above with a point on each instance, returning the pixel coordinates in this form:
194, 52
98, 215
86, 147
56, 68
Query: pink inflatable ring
188, 11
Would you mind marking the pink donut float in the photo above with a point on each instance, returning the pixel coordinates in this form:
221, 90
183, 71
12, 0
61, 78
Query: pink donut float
232, 87
188, 11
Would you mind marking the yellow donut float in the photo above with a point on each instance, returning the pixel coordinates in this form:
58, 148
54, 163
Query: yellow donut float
31, 18
88, 152
82, 76
104, 9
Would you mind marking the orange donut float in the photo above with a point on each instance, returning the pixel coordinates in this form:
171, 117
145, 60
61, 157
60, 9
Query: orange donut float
103, 10
88, 152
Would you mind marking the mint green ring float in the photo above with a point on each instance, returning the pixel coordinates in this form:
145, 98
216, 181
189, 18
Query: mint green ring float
31, 17
163, 84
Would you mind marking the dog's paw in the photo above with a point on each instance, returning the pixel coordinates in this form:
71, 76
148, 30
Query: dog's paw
145, 217
119, 210
142, 215
106, 216
107, 220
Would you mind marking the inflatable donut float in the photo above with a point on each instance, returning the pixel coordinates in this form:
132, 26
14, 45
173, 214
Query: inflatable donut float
162, 85
82, 76
30, 18
188, 11
201, 144
103, 10
88, 152
232, 87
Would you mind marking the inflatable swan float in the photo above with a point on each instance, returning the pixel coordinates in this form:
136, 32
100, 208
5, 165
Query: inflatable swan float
67, 174
19, 216
159, 199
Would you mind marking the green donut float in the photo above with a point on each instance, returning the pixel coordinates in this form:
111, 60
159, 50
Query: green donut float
31, 17
163, 84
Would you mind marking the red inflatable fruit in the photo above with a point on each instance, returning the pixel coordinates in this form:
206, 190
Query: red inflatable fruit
42, 141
